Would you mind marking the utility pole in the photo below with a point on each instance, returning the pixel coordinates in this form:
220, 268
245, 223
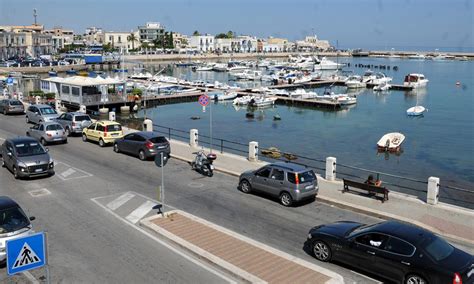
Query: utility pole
35, 15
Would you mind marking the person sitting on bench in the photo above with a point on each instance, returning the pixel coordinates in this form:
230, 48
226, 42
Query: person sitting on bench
370, 180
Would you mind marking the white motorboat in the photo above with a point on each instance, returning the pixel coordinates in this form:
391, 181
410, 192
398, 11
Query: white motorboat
368, 76
252, 75
355, 82
224, 96
417, 56
380, 78
242, 101
261, 90
415, 80
391, 141
141, 76
382, 87
278, 92
302, 79
302, 94
416, 111
263, 101
206, 67
220, 67
346, 100
326, 64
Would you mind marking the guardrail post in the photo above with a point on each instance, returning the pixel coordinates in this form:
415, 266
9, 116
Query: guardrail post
433, 190
83, 109
148, 125
330, 168
253, 151
112, 116
193, 138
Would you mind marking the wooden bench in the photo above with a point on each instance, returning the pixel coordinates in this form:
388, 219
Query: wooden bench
367, 187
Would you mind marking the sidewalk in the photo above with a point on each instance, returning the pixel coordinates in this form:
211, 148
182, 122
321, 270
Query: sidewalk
248, 259
453, 222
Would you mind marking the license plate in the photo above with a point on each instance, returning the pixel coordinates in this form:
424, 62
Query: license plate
57, 139
115, 134
38, 170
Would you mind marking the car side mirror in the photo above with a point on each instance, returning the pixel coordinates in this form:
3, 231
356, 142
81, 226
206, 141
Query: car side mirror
32, 218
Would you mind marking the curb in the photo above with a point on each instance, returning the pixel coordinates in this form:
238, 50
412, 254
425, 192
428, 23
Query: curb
230, 268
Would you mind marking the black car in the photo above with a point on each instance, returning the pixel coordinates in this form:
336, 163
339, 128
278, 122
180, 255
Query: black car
397, 251
144, 144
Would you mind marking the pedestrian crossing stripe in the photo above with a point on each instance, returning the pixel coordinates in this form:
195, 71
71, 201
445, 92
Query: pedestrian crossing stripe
26, 256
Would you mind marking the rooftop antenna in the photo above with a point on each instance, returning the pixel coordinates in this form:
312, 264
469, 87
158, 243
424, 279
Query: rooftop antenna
35, 15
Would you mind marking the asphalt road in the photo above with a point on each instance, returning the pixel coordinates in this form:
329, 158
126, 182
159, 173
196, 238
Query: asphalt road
90, 244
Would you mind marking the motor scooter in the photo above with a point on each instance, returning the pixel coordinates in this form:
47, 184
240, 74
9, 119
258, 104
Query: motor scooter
203, 163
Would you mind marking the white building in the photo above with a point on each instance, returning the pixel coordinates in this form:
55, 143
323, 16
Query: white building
151, 31
311, 43
204, 43
223, 45
245, 44
120, 40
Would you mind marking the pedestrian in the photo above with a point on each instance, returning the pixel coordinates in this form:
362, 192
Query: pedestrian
370, 180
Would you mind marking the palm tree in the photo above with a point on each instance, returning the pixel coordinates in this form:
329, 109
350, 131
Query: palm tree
132, 37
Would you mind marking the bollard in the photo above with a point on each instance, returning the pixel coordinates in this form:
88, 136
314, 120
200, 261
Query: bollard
37, 100
103, 111
83, 109
330, 168
148, 125
193, 138
253, 151
112, 116
57, 105
124, 109
433, 190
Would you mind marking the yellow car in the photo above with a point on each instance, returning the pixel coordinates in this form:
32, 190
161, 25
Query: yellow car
103, 131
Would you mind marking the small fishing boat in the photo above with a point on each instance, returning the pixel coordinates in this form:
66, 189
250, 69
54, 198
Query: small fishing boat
271, 152
71, 72
346, 100
224, 96
263, 102
391, 142
416, 111
52, 73
242, 101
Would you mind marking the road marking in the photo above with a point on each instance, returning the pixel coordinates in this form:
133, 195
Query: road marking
119, 201
30, 277
141, 211
39, 192
68, 172
163, 243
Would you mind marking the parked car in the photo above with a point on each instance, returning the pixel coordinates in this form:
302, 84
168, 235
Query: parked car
48, 132
142, 144
40, 113
288, 181
13, 224
26, 157
9, 106
397, 251
74, 122
103, 131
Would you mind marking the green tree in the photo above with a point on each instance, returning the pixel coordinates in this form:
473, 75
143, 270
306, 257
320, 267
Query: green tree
196, 33
221, 35
230, 34
132, 37
145, 45
108, 47
169, 41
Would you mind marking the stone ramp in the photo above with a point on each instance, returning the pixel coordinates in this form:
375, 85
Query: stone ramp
244, 257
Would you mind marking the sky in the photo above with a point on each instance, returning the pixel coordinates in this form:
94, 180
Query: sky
368, 24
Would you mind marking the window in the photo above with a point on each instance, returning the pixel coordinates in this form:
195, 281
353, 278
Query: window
53, 127
47, 110
114, 127
40, 127
307, 177
82, 118
399, 247
62, 116
100, 128
29, 149
65, 89
372, 239
130, 137
68, 117
158, 139
12, 219
75, 91
265, 172
437, 248
278, 174
92, 126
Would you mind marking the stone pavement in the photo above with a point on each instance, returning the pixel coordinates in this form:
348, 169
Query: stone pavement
246, 258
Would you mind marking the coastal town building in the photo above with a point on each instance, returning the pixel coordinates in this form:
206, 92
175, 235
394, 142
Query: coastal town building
94, 35
204, 43
122, 40
180, 40
60, 37
312, 43
151, 31
20, 41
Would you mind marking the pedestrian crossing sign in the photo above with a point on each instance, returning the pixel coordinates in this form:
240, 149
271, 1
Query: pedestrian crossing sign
26, 253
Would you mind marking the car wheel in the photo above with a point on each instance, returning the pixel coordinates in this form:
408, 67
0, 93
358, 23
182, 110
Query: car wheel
116, 148
101, 142
415, 279
15, 173
84, 137
43, 142
286, 199
322, 251
141, 155
67, 131
245, 186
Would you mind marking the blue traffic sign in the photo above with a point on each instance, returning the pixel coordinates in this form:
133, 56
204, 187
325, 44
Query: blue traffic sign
26, 253
9, 81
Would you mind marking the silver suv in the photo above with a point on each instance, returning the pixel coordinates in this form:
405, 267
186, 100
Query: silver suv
74, 122
40, 113
13, 224
288, 181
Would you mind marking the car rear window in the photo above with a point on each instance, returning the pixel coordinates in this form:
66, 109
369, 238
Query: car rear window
438, 248
47, 110
52, 127
82, 117
307, 176
114, 127
15, 103
158, 139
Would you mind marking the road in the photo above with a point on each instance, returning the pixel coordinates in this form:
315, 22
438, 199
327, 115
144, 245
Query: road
90, 242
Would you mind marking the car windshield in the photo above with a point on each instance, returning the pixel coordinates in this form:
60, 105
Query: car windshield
12, 219
15, 103
159, 139
438, 248
53, 127
29, 149
47, 110
82, 117
114, 127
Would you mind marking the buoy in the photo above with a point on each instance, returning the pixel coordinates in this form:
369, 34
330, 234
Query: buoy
458, 83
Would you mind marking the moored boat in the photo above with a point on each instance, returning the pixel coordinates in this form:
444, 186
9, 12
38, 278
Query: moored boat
416, 111
391, 141
415, 80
